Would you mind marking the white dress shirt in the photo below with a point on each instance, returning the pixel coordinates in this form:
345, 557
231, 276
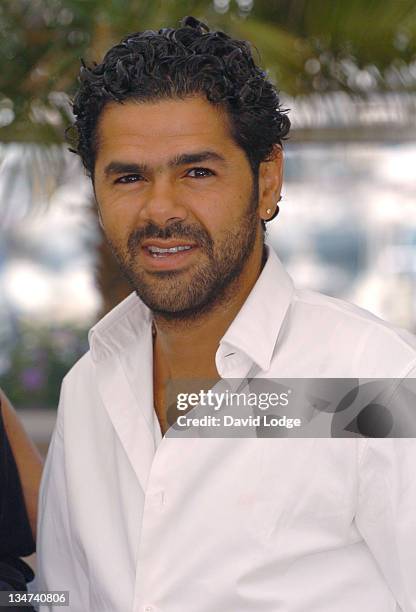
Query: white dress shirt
133, 522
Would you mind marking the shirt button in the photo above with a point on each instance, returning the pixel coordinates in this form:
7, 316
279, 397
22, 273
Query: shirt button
149, 609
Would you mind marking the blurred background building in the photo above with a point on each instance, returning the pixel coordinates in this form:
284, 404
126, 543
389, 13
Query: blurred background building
346, 71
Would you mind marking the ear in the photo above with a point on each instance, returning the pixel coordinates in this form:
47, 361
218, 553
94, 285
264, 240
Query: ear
270, 183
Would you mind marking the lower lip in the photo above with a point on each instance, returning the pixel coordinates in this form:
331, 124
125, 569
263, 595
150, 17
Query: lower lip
168, 261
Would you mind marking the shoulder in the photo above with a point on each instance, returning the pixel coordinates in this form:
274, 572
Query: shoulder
82, 370
118, 337
343, 313
349, 334
78, 394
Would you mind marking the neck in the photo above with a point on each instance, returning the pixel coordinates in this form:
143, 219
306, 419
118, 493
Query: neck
186, 348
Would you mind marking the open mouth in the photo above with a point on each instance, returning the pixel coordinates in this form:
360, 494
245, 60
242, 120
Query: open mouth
159, 252
168, 255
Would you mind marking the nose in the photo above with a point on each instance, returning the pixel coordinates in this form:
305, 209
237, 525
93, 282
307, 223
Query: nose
162, 205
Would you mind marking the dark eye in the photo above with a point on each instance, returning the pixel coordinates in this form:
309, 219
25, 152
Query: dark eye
199, 173
129, 178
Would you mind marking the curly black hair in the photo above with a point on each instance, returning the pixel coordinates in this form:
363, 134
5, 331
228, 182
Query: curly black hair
176, 63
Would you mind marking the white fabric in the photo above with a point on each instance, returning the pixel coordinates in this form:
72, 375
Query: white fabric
131, 522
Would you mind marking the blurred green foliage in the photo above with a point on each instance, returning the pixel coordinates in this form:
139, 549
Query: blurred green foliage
38, 361
358, 46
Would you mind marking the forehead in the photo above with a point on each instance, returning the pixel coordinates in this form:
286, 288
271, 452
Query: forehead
166, 127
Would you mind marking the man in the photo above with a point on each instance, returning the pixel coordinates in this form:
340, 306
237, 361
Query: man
181, 134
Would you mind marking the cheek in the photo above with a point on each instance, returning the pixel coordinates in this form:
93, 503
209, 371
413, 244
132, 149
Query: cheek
227, 212
116, 228
117, 216
228, 203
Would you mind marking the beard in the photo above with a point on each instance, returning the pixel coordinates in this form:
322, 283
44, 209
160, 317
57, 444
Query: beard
188, 294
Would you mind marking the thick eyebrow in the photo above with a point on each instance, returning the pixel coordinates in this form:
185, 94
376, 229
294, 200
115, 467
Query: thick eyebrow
195, 158
119, 167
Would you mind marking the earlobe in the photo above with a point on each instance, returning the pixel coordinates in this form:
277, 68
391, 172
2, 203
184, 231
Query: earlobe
272, 214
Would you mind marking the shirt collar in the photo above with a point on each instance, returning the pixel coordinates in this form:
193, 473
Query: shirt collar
251, 337
120, 329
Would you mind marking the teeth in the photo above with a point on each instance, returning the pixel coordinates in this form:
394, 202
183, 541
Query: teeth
155, 249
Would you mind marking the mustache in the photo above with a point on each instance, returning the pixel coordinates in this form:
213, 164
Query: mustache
175, 230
